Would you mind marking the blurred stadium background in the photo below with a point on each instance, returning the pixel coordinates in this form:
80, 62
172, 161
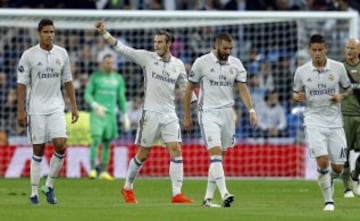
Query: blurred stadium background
271, 40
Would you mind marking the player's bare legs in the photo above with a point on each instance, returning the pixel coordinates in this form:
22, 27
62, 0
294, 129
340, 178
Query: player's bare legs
176, 172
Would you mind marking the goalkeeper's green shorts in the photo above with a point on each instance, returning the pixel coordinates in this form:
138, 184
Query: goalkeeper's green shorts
105, 127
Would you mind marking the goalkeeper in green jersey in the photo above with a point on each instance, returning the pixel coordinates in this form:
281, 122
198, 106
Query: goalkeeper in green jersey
351, 114
105, 90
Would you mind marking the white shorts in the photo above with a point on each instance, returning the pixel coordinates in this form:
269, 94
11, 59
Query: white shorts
218, 127
327, 141
157, 127
43, 128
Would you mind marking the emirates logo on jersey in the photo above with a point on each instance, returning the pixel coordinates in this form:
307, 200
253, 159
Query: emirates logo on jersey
21, 68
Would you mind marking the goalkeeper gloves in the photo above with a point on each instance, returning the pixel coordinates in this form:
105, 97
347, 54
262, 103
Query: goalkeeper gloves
125, 122
99, 109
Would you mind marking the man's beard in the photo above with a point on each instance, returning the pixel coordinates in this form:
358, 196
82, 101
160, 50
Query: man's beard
222, 57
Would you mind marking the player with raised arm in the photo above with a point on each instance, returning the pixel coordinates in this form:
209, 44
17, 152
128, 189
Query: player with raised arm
103, 92
317, 83
217, 73
42, 70
350, 108
162, 72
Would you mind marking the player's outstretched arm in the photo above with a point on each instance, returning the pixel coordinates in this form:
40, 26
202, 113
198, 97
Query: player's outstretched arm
135, 55
100, 27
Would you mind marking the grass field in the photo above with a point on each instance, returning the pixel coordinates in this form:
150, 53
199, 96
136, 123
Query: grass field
260, 200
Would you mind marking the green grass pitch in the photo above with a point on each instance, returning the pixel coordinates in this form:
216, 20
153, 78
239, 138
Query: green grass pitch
255, 200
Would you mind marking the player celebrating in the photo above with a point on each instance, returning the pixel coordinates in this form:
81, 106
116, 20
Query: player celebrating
162, 72
217, 72
318, 82
41, 71
351, 114
105, 89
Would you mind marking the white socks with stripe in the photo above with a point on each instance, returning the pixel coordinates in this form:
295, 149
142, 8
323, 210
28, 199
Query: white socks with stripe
176, 171
217, 171
56, 163
132, 172
35, 170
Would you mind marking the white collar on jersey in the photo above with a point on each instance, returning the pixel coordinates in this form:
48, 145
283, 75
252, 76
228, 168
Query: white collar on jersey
216, 60
321, 70
44, 50
160, 58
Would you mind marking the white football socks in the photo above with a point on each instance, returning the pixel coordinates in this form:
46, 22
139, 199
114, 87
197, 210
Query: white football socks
324, 181
56, 163
35, 170
132, 172
176, 171
211, 186
217, 171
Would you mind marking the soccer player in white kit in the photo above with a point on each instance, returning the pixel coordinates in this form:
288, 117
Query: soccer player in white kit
317, 83
41, 71
217, 73
162, 72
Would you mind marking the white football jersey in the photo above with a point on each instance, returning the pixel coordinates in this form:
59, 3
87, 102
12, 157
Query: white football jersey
43, 72
216, 80
160, 77
318, 86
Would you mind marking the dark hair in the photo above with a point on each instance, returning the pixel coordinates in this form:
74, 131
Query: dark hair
168, 34
317, 38
107, 56
223, 36
44, 22
268, 93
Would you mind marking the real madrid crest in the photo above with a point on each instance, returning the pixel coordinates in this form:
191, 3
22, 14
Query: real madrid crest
233, 70
21, 68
